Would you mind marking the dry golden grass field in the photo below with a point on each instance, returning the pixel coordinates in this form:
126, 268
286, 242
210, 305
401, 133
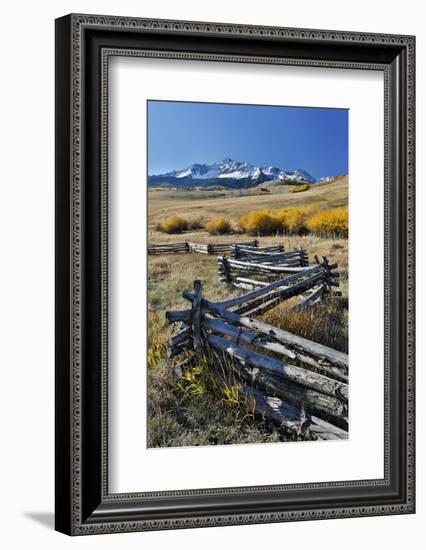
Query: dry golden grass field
193, 410
233, 203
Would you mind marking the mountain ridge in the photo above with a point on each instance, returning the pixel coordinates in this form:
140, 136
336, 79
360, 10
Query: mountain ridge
230, 173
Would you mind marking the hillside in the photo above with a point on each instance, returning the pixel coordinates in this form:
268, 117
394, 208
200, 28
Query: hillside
233, 204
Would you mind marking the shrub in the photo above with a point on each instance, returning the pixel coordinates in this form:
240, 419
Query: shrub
293, 220
179, 224
219, 226
174, 224
334, 222
260, 222
299, 188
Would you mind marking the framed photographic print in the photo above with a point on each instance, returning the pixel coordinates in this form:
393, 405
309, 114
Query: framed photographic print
234, 274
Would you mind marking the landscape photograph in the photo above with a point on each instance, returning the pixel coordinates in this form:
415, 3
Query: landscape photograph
248, 306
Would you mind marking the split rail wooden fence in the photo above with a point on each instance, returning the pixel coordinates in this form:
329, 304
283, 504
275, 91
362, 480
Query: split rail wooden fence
299, 384
271, 255
188, 247
246, 274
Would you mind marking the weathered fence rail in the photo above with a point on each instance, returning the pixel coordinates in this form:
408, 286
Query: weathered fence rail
175, 248
271, 256
246, 274
189, 246
309, 283
240, 249
300, 384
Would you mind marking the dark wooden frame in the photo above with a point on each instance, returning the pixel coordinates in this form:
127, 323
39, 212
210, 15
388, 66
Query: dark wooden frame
83, 46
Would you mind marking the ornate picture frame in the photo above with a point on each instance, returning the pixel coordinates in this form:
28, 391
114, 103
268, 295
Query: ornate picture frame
84, 44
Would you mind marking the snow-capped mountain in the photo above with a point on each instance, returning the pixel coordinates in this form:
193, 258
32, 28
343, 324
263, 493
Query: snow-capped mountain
229, 173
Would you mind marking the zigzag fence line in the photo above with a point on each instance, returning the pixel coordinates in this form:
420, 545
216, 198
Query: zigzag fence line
298, 383
249, 274
309, 283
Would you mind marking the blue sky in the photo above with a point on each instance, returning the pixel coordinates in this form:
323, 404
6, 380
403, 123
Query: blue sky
183, 133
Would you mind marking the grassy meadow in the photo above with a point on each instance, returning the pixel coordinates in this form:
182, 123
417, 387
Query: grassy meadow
195, 410
234, 203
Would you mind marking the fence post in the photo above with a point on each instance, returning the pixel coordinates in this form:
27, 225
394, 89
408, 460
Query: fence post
325, 260
187, 246
196, 318
256, 243
327, 273
226, 269
209, 249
